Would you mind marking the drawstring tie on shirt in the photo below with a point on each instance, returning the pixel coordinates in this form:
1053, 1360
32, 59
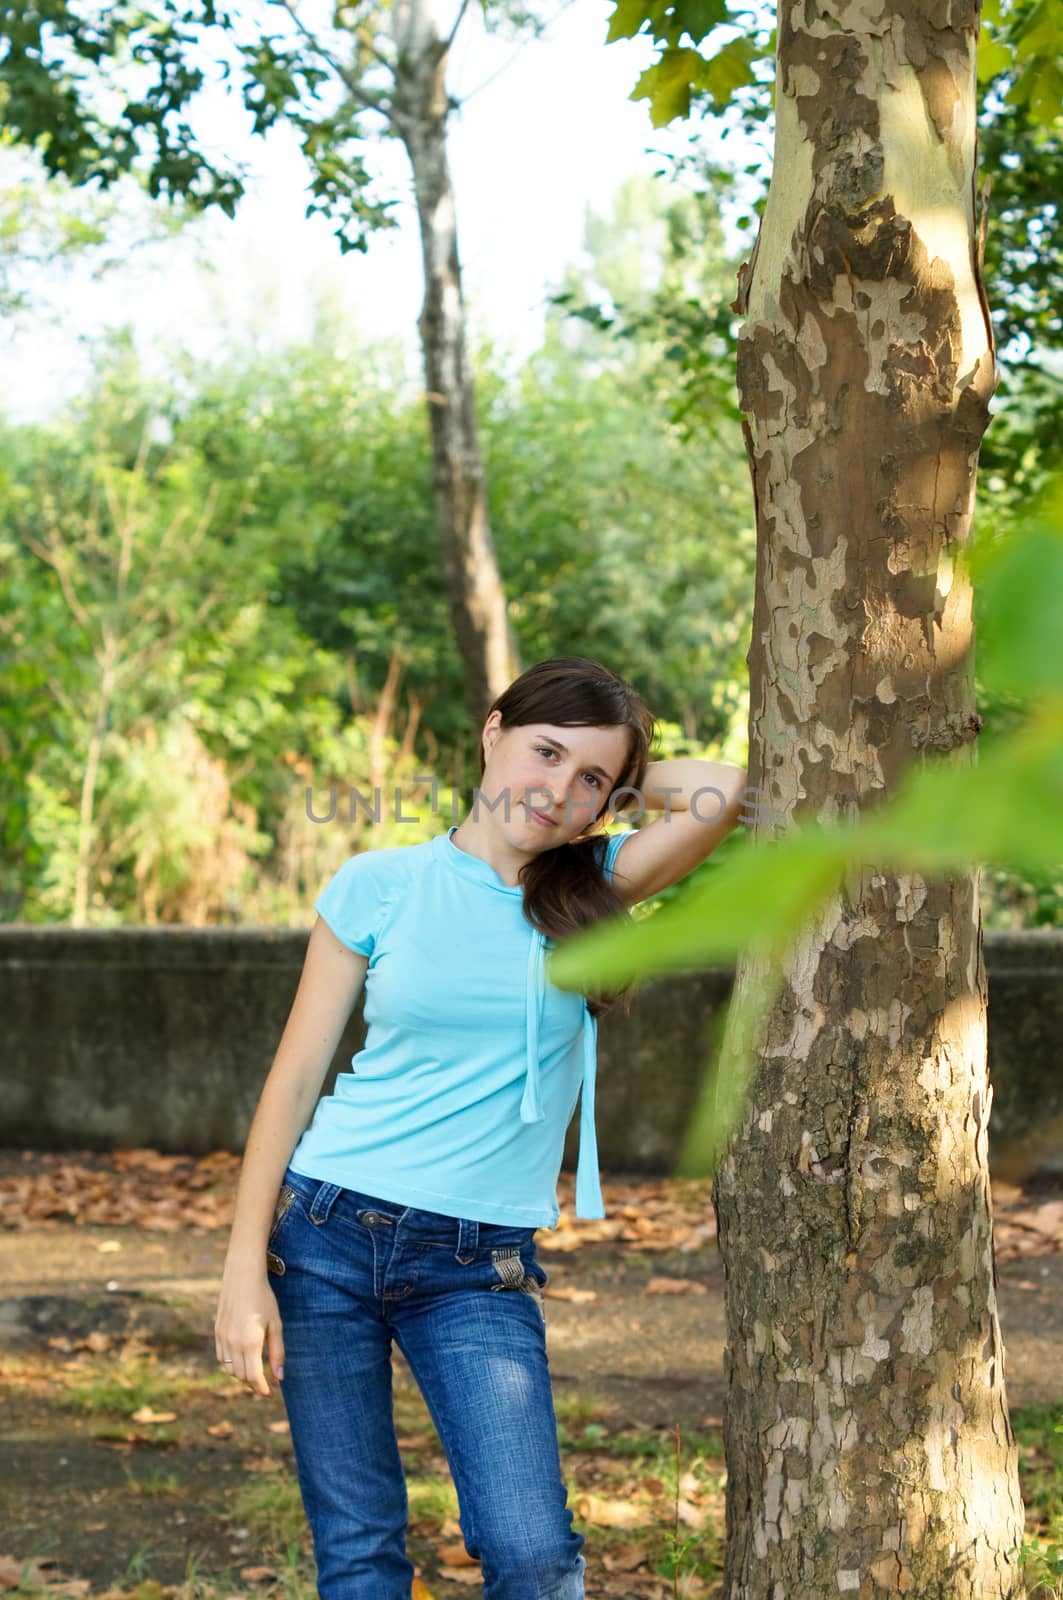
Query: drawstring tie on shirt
589, 1203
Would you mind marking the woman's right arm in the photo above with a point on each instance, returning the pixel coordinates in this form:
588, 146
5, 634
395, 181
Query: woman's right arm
331, 981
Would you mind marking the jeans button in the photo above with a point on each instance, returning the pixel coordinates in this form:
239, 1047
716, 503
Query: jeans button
370, 1218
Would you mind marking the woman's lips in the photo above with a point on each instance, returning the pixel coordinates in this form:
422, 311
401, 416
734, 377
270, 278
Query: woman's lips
547, 822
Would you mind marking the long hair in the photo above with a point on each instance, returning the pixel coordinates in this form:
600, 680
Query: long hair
566, 889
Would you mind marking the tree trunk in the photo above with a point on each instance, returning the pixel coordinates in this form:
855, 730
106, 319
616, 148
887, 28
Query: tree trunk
869, 1446
482, 627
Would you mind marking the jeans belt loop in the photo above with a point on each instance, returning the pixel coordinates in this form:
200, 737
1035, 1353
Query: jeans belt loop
323, 1201
468, 1239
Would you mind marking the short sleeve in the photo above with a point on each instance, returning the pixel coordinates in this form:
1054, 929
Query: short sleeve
352, 902
612, 846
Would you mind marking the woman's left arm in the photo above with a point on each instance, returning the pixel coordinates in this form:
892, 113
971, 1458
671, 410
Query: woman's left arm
702, 803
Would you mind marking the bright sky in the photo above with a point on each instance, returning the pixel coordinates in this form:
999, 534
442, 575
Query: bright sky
553, 132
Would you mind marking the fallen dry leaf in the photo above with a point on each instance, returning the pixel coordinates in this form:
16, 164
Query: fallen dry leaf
38, 1571
674, 1286
695, 1238
145, 1189
605, 1513
456, 1555
625, 1557
146, 1414
689, 1586
222, 1430
257, 1574
693, 1516
11, 1571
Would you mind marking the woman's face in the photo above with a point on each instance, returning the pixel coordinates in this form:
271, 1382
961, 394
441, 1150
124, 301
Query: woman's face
570, 785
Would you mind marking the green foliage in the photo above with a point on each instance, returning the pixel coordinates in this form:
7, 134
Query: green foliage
58, 62
666, 22
1023, 40
661, 263
704, 71
597, 560
284, 623
670, 83
59, 69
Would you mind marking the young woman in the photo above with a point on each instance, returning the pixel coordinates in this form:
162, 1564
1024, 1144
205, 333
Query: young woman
409, 1205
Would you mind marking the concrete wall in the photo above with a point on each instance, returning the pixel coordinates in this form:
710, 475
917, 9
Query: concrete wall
162, 1037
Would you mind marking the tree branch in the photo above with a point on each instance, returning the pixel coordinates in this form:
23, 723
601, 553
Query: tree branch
449, 45
507, 64
72, 600
366, 98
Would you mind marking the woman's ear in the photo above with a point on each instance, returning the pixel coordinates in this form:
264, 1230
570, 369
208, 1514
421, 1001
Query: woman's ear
493, 731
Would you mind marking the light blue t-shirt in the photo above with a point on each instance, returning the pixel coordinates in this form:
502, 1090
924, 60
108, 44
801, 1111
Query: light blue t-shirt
459, 1100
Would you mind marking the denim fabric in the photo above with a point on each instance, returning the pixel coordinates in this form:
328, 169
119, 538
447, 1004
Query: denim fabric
463, 1300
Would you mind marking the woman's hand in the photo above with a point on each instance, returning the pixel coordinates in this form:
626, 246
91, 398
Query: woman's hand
248, 1312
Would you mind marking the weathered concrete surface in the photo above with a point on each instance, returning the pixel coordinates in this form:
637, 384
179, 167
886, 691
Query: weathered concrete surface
162, 1037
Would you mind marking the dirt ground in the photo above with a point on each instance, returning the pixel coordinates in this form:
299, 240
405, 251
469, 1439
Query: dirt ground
635, 1325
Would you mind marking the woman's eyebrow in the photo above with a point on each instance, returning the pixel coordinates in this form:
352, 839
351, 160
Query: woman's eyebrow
559, 746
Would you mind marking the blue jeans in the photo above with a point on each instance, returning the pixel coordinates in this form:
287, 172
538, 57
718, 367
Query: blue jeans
464, 1301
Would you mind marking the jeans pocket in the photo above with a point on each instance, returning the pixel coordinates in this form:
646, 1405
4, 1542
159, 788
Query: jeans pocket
516, 1272
284, 1204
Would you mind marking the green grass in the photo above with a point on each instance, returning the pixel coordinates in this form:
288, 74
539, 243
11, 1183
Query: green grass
1039, 1436
120, 1385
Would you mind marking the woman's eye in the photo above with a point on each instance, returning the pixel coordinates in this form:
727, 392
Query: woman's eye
544, 750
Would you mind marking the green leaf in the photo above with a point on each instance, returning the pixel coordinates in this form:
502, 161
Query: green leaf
1046, 93
729, 69
711, 921
1041, 34
993, 57
667, 20
1018, 580
699, 17
627, 20
667, 85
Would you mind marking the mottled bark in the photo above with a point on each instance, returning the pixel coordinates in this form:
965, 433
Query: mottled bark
869, 1447
419, 109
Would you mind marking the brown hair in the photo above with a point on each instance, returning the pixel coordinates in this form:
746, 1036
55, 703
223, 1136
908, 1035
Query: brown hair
566, 889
